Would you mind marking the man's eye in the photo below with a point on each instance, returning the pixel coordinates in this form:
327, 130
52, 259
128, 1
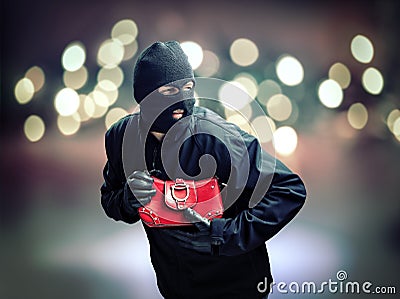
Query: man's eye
169, 91
188, 87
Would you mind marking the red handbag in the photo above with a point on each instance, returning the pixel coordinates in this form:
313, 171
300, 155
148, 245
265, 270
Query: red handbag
173, 197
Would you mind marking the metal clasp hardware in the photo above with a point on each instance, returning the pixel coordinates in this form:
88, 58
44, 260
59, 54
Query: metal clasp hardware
179, 185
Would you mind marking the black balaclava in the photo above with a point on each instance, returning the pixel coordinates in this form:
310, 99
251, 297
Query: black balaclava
161, 64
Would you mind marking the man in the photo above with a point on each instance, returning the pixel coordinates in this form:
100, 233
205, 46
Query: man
170, 138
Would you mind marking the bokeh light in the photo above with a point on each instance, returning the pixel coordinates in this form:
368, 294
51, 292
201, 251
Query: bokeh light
210, 64
264, 127
289, 70
100, 102
130, 50
83, 116
76, 80
243, 52
34, 128
362, 49
66, 101
234, 94
341, 74
36, 75
114, 115
246, 112
110, 54
372, 81
279, 107
24, 91
248, 82
330, 93
285, 140
105, 93
392, 117
267, 89
68, 125
241, 121
74, 56
357, 115
396, 128
125, 31
194, 52
115, 75
89, 106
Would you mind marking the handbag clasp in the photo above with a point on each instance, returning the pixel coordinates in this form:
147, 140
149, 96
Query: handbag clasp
179, 186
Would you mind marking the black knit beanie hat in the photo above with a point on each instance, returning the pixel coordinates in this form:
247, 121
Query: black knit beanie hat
160, 64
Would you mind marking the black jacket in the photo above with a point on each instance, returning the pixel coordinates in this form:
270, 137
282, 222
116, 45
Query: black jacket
263, 195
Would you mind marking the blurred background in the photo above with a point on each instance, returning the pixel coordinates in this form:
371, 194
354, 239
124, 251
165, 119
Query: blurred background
326, 74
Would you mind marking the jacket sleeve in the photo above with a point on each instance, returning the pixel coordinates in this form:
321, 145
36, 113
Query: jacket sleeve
251, 227
116, 196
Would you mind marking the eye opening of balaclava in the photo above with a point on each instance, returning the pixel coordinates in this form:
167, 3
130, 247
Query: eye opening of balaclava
159, 65
156, 109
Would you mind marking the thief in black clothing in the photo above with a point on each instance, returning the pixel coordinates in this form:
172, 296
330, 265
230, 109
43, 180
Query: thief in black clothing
171, 138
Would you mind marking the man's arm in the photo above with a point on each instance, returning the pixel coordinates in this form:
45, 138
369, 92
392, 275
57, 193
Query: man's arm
253, 226
116, 196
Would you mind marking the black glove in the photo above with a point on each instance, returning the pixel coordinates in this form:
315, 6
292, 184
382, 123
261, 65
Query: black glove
199, 221
141, 184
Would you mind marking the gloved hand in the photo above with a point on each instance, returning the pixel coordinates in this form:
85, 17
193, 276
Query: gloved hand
199, 221
141, 184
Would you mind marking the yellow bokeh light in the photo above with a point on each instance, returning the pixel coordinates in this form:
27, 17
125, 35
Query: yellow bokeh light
109, 90
114, 115
69, 125
396, 128
233, 94
372, 81
245, 112
81, 110
125, 31
130, 50
279, 107
36, 75
115, 75
66, 101
237, 119
243, 52
341, 74
264, 127
34, 128
94, 98
107, 85
110, 54
330, 93
266, 90
357, 116
362, 49
241, 121
285, 140
194, 52
24, 91
77, 79
89, 106
209, 66
100, 98
248, 82
289, 70
392, 117
74, 56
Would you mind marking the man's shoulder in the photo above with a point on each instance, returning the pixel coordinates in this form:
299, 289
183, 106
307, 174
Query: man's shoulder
208, 120
119, 126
